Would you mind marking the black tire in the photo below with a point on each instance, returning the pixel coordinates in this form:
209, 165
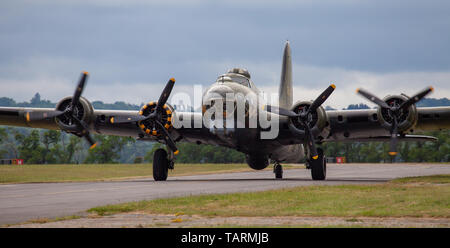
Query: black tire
319, 166
160, 165
278, 172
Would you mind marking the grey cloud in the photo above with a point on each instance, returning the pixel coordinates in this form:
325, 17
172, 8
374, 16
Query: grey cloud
141, 42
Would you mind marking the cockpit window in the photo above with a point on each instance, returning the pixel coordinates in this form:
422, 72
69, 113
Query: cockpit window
227, 78
240, 80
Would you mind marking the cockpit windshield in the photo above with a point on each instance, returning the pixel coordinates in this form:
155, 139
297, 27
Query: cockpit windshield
240, 80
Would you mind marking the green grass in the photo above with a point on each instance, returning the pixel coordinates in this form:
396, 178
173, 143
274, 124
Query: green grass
435, 179
96, 172
104, 172
412, 197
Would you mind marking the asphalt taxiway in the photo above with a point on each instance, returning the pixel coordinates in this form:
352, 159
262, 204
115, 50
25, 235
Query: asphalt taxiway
23, 202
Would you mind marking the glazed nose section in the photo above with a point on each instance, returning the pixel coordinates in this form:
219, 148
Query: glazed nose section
218, 91
217, 96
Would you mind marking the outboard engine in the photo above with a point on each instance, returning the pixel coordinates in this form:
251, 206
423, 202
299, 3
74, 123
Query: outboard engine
83, 110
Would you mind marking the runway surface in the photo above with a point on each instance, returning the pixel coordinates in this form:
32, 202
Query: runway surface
23, 202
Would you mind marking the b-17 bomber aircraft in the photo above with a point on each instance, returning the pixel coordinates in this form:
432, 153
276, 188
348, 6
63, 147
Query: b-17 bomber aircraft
233, 115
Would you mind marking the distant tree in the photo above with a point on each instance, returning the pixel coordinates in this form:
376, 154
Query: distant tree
53, 151
193, 153
69, 150
3, 137
358, 106
107, 149
36, 100
7, 102
9, 143
30, 148
117, 105
433, 102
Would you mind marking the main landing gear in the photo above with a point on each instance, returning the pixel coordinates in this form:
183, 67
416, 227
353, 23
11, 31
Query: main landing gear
278, 170
161, 164
318, 166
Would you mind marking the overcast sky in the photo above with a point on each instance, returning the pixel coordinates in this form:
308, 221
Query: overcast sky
131, 48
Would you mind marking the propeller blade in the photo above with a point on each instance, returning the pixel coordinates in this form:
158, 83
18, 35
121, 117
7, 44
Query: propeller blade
165, 94
373, 98
79, 89
394, 139
168, 139
85, 131
322, 98
91, 141
81, 124
127, 119
280, 111
416, 98
37, 116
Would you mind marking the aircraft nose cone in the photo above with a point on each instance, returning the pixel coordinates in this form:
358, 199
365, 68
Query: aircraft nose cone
217, 96
218, 91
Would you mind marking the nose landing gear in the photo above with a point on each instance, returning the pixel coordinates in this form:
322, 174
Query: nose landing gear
318, 166
161, 164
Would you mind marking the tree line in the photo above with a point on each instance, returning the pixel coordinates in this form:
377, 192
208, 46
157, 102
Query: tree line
376, 152
37, 146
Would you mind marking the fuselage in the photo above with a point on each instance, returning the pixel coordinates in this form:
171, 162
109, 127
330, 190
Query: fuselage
232, 110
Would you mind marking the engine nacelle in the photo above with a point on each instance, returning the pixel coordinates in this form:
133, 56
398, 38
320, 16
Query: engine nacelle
406, 120
83, 111
319, 122
150, 127
257, 162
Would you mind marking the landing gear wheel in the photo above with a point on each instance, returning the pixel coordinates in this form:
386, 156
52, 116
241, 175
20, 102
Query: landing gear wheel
160, 165
319, 166
278, 170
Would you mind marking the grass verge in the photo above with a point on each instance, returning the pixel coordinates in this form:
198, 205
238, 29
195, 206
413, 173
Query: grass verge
409, 197
102, 172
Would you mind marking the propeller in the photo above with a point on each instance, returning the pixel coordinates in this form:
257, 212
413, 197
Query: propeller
68, 112
304, 117
395, 111
154, 116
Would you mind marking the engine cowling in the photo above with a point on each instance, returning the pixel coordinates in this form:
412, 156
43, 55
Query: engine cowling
83, 111
406, 119
319, 123
148, 126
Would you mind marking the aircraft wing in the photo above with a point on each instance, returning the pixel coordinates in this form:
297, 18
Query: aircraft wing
99, 122
365, 125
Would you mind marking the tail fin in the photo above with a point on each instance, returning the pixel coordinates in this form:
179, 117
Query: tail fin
285, 90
